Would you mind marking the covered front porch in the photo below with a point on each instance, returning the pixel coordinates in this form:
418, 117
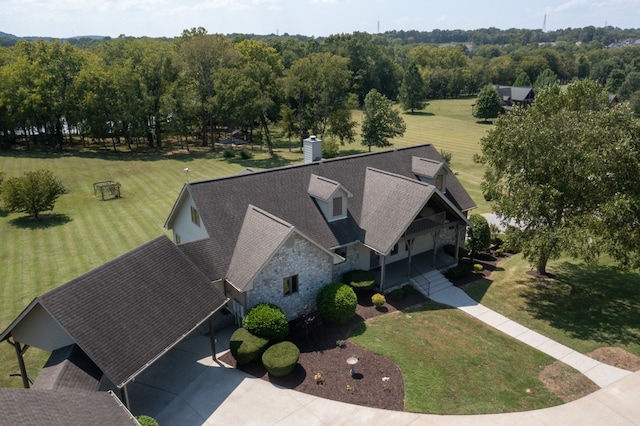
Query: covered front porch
401, 271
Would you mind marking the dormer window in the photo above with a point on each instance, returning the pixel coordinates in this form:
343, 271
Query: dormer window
330, 196
337, 206
430, 171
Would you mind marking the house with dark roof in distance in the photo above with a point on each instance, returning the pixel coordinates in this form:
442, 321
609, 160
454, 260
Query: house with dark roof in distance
511, 96
279, 235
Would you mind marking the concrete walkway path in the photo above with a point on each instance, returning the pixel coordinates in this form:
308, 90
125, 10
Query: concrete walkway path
601, 374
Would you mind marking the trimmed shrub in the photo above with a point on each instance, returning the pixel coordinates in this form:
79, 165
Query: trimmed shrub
228, 153
450, 249
458, 271
281, 358
378, 300
359, 280
477, 267
268, 321
246, 155
245, 347
399, 294
147, 421
337, 303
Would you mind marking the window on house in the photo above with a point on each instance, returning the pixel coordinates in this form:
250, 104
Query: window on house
337, 206
177, 237
394, 250
195, 216
290, 285
439, 180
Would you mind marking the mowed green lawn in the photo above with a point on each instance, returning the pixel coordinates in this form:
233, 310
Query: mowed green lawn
585, 308
484, 371
84, 232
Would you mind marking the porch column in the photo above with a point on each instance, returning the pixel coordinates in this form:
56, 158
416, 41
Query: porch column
409, 243
457, 242
382, 272
124, 397
435, 247
20, 354
212, 338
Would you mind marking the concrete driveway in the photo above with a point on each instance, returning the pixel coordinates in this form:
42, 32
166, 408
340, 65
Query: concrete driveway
187, 388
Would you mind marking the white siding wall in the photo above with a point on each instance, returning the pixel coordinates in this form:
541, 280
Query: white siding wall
184, 227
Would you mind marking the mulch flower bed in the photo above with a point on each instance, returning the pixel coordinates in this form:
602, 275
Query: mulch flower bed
322, 369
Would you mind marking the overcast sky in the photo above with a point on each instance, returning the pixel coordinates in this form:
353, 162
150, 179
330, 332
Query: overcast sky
156, 18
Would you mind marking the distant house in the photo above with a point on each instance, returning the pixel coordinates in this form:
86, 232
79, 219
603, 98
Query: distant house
511, 96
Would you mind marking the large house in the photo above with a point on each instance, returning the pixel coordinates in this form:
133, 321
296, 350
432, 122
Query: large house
275, 236
279, 235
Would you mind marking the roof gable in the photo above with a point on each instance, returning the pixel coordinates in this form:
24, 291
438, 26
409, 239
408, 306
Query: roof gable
260, 237
324, 188
426, 166
390, 203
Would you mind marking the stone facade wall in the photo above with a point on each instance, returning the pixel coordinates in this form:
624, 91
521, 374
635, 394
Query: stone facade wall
353, 261
447, 236
297, 256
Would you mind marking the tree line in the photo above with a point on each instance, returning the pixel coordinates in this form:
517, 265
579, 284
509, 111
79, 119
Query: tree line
131, 91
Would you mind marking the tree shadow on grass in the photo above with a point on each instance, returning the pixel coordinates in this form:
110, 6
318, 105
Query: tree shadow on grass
600, 303
45, 221
420, 113
264, 163
485, 122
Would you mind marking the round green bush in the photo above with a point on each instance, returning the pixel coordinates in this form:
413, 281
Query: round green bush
246, 155
281, 358
378, 300
147, 421
358, 279
478, 267
337, 303
268, 321
246, 347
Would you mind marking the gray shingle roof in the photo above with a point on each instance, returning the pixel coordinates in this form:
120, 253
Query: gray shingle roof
69, 368
390, 204
129, 311
283, 193
260, 236
62, 408
323, 188
425, 166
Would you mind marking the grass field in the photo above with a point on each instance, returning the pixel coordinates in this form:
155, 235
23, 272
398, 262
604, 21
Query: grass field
485, 372
583, 308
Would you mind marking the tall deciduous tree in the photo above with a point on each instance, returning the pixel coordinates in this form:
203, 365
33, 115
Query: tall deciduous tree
565, 170
488, 104
412, 91
381, 121
32, 193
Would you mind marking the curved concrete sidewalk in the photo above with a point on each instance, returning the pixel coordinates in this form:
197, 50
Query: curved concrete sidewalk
187, 388
220, 395
601, 374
